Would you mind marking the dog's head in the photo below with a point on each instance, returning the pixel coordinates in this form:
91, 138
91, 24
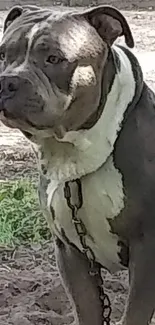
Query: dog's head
52, 61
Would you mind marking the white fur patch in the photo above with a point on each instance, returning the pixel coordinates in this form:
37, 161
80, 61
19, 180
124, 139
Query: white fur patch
30, 37
103, 199
83, 76
32, 33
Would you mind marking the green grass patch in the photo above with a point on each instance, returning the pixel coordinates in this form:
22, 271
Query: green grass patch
21, 220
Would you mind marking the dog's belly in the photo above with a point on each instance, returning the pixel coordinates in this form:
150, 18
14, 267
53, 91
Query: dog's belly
103, 199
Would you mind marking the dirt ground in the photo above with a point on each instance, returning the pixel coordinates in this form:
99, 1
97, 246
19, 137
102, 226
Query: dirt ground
30, 288
31, 292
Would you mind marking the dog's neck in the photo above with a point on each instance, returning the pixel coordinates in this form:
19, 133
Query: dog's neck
108, 75
84, 151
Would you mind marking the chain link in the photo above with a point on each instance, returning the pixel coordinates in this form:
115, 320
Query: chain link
82, 232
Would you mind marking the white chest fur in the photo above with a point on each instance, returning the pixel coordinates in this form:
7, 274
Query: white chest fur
102, 200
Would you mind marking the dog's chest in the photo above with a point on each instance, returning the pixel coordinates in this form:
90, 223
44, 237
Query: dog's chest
103, 199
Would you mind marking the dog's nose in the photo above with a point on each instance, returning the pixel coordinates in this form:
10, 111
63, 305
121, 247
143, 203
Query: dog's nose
8, 86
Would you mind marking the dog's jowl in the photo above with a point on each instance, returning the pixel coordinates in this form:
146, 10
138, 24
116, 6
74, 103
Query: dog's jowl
83, 103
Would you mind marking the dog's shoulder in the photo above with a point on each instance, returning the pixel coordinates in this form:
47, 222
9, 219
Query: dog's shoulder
135, 65
134, 152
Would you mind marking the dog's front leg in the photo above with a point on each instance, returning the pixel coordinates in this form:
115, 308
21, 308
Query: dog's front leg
141, 301
81, 287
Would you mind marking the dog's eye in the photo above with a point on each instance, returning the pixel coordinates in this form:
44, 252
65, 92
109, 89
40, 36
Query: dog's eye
2, 56
54, 59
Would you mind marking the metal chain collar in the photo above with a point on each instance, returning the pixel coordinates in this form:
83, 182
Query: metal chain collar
95, 270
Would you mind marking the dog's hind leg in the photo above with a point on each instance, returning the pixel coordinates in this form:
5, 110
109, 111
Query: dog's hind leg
141, 302
81, 287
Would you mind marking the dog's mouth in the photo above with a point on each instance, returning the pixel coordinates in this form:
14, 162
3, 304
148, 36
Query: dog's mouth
8, 120
7, 117
35, 125
29, 129
13, 121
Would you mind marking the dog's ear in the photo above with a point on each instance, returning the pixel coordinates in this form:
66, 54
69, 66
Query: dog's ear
109, 23
13, 14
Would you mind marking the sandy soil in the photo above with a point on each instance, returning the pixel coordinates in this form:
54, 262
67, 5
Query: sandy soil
30, 288
31, 292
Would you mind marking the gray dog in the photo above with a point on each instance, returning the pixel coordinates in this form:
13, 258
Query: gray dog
83, 103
